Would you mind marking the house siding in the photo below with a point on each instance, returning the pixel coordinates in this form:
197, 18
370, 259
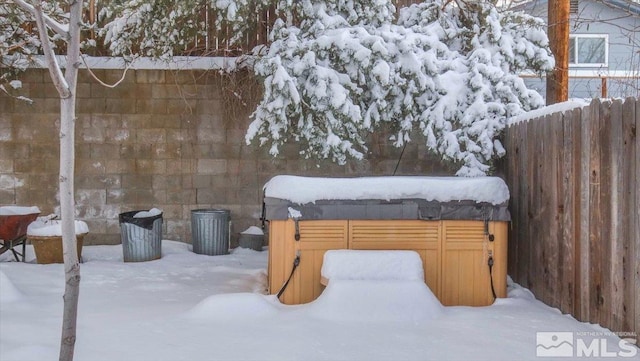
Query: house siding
624, 49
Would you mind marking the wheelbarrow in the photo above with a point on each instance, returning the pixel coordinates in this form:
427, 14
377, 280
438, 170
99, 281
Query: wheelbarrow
13, 229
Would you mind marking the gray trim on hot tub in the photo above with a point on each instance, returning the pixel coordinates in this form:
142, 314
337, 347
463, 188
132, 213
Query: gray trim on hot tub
278, 209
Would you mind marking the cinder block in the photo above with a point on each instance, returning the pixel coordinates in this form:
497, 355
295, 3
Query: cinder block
6, 104
202, 181
135, 151
147, 166
6, 166
91, 106
120, 106
119, 136
207, 196
90, 166
151, 136
91, 196
209, 107
39, 181
169, 182
137, 181
110, 181
212, 166
146, 198
120, 166
211, 135
83, 90
137, 121
181, 196
151, 106
159, 197
106, 120
7, 196
177, 135
104, 151
150, 76
181, 106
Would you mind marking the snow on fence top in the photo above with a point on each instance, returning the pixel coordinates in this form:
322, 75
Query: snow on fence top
52, 228
304, 190
554, 108
18, 210
372, 265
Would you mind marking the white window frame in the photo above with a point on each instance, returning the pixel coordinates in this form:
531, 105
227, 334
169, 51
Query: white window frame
576, 38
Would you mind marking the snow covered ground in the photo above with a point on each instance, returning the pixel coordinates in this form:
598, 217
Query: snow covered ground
194, 307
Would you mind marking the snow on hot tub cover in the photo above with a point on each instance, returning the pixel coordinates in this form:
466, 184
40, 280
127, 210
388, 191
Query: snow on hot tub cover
398, 197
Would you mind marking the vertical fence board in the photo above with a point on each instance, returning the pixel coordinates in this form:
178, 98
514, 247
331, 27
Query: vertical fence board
595, 212
584, 250
584, 268
550, 221
523, 241
567, 210
628, 214
511, 142
605, 240
535, 264
529, 196
635, 252
618, 162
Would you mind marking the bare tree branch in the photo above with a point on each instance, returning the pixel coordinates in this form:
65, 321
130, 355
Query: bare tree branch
95, 77
54, 69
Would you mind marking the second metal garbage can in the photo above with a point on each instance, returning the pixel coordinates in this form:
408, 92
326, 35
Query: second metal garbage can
141, 235
210, 231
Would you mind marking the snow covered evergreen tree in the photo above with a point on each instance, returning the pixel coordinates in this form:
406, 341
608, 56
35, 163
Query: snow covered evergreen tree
445, 68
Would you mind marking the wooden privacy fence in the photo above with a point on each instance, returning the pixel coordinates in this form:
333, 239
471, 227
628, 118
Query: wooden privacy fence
574, 178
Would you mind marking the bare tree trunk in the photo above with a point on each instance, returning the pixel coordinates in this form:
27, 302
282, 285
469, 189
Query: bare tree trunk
66, 87
67, 203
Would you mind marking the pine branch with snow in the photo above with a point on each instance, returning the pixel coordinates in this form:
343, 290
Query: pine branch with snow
440, 69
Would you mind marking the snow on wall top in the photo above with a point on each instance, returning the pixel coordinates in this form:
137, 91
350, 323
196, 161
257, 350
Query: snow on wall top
227, 64
303, 190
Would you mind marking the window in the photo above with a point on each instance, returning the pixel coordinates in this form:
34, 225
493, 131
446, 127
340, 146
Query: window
588, 50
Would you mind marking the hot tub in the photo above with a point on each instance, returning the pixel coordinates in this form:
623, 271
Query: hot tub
458, 226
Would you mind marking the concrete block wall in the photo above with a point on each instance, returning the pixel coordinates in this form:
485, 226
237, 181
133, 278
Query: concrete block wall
166, 139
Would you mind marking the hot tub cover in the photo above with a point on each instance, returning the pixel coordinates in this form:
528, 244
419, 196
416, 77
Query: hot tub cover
405, 197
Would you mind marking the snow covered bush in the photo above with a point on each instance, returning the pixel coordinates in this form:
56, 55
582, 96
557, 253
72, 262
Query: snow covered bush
445, 68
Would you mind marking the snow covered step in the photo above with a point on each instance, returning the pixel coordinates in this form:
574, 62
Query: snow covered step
371, 265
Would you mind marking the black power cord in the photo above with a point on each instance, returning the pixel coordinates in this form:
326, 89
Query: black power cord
296, 262
493, 291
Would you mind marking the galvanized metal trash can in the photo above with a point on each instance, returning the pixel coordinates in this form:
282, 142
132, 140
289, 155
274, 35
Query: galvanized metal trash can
210, 231
141, 236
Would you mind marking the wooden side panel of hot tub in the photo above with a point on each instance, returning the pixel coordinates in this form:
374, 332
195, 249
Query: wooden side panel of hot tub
465, 270
316, 237
454, 254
